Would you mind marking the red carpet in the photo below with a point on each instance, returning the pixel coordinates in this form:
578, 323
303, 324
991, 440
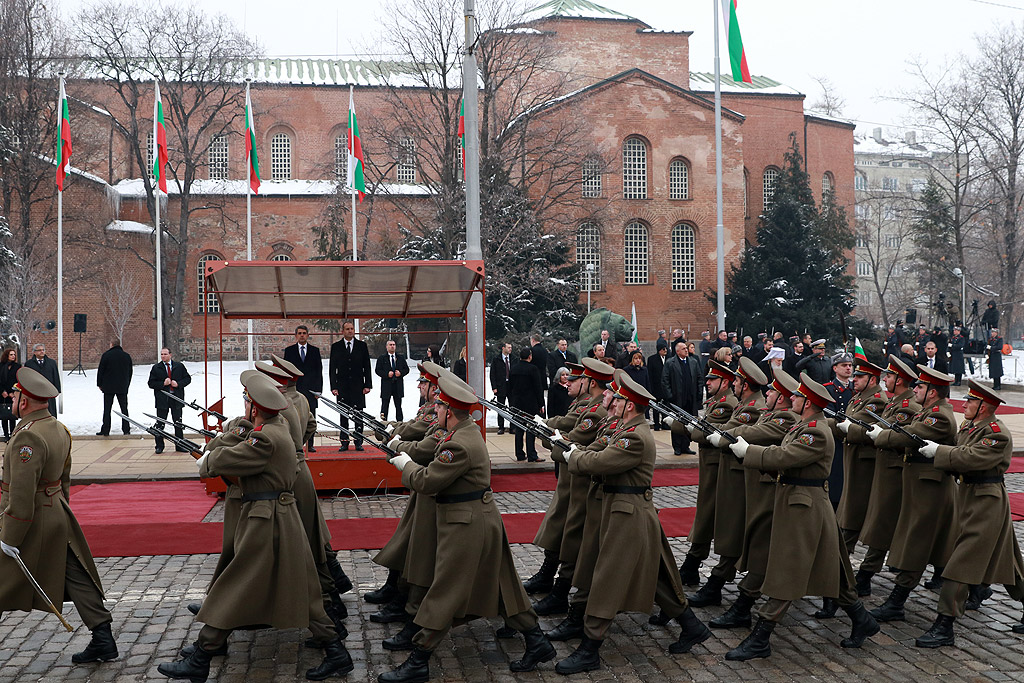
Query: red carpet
1016, 506
141, 502
545, 481
958, 406
1016, 465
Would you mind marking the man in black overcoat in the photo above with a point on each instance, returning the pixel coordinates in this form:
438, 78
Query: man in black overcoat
170, 376
113, 377
306, 357
350, 377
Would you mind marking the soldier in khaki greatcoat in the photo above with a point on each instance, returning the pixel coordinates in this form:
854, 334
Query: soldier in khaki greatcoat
37, 524
985, 549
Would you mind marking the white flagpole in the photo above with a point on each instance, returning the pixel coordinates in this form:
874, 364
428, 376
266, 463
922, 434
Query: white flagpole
719, 227
351, 177
60, 243
157, 233
248, 207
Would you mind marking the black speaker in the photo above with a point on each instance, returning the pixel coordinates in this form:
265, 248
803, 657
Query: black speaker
391, 323
911, 316
80, 319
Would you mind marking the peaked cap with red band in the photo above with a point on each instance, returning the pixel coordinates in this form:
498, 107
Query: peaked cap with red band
901, 370
629, 390
34, 385
865, 367
814, 392
749, 371
275, 373
575, 370
287, 366
932, 376
784, 382
595, 369
455, 393
716, 369
262, 392
431, 369
975, 391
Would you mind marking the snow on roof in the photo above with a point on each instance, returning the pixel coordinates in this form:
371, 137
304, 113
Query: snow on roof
129, 226
877, 143
319, 71
705, 82
135, 188
72, 170
575, 9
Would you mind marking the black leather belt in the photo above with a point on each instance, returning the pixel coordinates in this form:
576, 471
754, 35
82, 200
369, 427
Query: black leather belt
800, 481
262, 495
972, 479
611, 488
446, 499
917, 459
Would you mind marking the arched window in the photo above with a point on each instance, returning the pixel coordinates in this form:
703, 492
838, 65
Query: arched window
634, 169
280, 157
591, 178
588, 253
207, 300
149, 154
746, 187
634, 254
281, 257
860, 181
219, 157
771, 179
341, 159
406, 170
828, 185
678, 180
683, 259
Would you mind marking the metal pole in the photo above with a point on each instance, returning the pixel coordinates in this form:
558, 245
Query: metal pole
590, 285
156, 237
248, 222
355, 252
719, 227
475, 311
963, 300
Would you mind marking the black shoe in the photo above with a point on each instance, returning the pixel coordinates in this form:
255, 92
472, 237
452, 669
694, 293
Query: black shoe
544, 579
694, 632
385, 593
341, 580
754, 646
892, 608
359, 447
571, 627
403, 639
935, 583
535, 459
158, 450
829, 607
1018, 628
709, 594
310, 449
538, 650
337, 662
659, 619
187, 651
689, 572
101, 647
585, 658
505, 632
656, 428
520, 458
737, 616
125, 433
864, 626
501, 430
196, 668
415, 669
102, 434
864, 583
677, 452
940, 634
687, 451
194, 607
557, 601
390, 613
343, 446
977, 595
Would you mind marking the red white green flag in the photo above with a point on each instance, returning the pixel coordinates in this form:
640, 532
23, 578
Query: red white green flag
737, 55
462, 136
160, 140
63, 138
252, 160
858, 350
356, 178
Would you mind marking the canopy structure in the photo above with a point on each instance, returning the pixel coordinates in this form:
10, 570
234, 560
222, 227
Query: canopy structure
344, 289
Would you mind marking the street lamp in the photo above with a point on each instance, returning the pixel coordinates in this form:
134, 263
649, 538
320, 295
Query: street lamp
590, 275
963, 298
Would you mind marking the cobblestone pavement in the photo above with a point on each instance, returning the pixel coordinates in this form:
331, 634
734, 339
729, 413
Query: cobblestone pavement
148, 597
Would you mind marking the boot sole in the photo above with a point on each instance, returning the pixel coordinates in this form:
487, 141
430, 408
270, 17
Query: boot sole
547, 657
560, 638
932, 645
681, 649
850, 643
731, 624
397, 647
413, 679
578, 670
93, 660
758, 655
340, 672
388, 619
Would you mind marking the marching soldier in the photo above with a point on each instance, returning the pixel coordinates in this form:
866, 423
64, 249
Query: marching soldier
37, 525
985, 550
805, 556
924, 532
887, 485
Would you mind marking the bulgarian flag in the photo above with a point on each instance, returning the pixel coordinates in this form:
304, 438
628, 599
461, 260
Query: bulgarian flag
858, 350
462, 136
356, 179
737, 55
252, 160
63, 138
636, 331
160, 140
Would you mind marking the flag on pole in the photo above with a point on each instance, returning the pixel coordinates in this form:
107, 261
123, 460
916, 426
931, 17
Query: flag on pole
252, 160
462, 136
858, 350
63, 138
636, 334
160, 141
356, 179
737, 55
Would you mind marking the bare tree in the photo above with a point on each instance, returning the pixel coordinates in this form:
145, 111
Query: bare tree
830, 103
121, 298
884, 237
23, 290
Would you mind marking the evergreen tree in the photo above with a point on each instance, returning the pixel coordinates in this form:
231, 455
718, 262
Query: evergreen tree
796, 277
932, 232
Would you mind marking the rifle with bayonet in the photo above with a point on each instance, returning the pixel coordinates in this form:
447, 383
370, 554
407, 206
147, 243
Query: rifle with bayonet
203, 432
677, 413
897, 428
512, 413
195, 406
384, 448
194, 449
356, 415
840, 416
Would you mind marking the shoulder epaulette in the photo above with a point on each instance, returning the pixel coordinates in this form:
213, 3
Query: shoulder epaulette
994, 426
935, 409
906, 403
812, 423
723, 398
752, 402
594, 409
878, 395
631, 428
828, 384
256, 429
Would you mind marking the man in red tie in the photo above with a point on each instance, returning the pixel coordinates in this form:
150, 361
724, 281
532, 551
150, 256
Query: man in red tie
170, 376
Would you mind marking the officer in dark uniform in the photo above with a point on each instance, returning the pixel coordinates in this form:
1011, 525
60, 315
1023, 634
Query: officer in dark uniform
840, 388
818, 366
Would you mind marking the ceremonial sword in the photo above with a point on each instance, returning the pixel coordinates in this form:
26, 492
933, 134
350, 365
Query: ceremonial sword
42, 593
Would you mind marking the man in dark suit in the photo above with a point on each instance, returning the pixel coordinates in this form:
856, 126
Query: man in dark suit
113, 377
681, 381
306, 357
559, 358
350, 377
526, 392
541, 358
47, 367
170, 376
933, 359
501, 368
655, 366
392, 369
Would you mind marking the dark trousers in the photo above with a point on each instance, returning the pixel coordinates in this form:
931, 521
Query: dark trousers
386, 397
312, 411
358, 428
502, 398
531, 445
175, 411
680, 440
657, 419
108, 403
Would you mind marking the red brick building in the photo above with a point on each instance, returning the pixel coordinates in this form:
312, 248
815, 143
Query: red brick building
650, 117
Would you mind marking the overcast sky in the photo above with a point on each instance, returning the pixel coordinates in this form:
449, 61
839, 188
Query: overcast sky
862, 47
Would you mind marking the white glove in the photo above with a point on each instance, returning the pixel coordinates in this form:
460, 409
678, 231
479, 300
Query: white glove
874, 432
394, 442
400, 461
539, 420
715, 438
558, 436
201, 461
568, 454
389, 428
844, 426
694, 430
667, 421
929, 449
9, 550
740, 447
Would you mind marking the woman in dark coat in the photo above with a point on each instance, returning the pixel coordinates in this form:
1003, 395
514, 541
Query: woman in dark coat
558, 394
461, 368
995, 357
957, 344
637, 371
8, 376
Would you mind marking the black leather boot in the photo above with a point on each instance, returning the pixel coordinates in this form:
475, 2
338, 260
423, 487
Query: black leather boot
585, 658
570, 627
196, 668
538, 649
403, 639
385, 593
659, 619
341, 580
101, 647
736, 616
939, 635
194, 607
688, 571
337, 662
335, 608
935, 583
892, 608
977, 595
392, 612
1018, 628
187, 651
829, 607
544, 579
864, 625
694, 632
555, 602
709, 594
415, 669
864, 582
505, 632
757, 644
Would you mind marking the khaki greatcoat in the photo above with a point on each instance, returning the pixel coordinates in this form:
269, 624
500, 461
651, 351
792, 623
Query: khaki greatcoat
552, 527
301, 426
859, 459
717, 411
730, 493
590, 543
887, 484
